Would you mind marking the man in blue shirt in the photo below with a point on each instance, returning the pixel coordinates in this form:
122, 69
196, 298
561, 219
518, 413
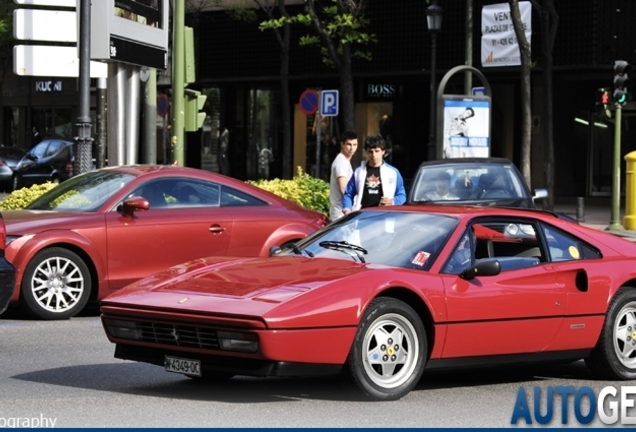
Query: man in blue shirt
374, 182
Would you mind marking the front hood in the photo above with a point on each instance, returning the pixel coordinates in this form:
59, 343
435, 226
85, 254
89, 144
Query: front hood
33, 221
237, 286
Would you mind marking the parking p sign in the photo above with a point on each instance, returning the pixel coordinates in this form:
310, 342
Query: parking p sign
329, 103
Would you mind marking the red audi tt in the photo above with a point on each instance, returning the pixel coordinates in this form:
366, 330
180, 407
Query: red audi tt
383, 294
97, 232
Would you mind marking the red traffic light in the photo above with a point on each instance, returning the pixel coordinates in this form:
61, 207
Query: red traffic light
605, 98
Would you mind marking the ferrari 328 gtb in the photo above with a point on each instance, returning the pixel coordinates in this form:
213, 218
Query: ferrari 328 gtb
385, 293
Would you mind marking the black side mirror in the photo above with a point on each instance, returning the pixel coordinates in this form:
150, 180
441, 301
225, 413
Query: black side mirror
133, 204
274, 250
485, 267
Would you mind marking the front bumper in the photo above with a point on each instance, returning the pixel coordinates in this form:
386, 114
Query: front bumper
7, 283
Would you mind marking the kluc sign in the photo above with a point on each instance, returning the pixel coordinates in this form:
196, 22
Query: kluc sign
48, 86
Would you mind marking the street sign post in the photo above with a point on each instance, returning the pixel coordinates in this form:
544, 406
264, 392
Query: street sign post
329, 103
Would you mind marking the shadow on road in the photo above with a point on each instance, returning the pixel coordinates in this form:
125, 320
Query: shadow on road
148, 380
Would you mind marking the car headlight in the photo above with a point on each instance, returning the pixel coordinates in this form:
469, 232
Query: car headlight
123, 329
236, 341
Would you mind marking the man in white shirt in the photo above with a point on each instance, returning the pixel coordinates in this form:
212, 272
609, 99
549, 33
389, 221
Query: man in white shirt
341, 172
442, 188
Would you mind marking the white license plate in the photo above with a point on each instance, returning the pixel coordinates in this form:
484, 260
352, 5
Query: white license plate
182, 366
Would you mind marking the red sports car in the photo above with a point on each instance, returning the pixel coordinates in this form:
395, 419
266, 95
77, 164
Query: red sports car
98, 232
383, 294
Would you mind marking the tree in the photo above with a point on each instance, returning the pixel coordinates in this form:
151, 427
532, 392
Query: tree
6, 46
549, 23
341, 36
526, 100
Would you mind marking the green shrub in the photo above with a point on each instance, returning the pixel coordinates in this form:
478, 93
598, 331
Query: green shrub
305, 190
20, 198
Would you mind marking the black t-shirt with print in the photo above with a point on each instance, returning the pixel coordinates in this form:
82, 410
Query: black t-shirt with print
372, 191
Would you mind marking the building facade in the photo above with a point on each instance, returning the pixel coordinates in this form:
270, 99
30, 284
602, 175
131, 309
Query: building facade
242, 65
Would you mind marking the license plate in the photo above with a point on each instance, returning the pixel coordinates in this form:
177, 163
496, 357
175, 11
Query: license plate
182, 366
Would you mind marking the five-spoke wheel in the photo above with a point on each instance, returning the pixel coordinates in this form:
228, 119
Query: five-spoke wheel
614, 356
389, 352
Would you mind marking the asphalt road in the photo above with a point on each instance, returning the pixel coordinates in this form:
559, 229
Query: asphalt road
65, 371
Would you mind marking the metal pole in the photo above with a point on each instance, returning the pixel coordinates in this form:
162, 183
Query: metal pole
178, 80
101, 122
116, 113
432, 143
132, 102
615, 224
468, 76
83, 151
318, 133
150, 118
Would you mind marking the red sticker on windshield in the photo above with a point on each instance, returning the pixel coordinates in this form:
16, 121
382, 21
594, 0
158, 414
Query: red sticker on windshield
420, 258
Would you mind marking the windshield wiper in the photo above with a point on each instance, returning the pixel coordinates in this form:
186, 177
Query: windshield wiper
345, 247
299, 251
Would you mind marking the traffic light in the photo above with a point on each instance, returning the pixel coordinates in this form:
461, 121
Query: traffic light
603, 97
194, 102
621, 82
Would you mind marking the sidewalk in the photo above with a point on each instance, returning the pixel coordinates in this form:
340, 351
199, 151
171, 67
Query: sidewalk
597, 214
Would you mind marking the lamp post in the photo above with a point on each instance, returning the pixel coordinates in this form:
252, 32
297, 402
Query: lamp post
434, 22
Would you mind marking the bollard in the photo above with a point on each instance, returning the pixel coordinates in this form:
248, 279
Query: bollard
580, 209
629, 221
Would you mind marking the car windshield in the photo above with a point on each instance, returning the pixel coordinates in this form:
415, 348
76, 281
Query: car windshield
84, 193
398, 239
476, 183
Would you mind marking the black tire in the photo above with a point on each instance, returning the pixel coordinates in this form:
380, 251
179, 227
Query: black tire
16, 182
403, 359
56, 284
614, 357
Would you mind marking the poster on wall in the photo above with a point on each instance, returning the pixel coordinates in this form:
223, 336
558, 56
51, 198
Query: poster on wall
499, 44
466, 127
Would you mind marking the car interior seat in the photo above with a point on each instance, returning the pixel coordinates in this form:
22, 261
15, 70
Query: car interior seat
187, 195
484, 249
462, 190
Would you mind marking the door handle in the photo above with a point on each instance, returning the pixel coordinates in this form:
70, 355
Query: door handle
216, 229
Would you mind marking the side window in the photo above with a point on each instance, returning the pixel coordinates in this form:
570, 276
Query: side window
564, 247
231, 197
179, 193
53, 148
39, 149
463, 256
513, 243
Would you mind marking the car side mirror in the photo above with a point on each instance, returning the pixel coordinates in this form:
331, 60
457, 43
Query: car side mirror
32, 157
540, 194
133, 204
274, 250
484, 267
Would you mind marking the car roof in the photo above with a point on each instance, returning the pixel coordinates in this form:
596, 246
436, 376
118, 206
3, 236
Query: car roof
458, 161
469, 211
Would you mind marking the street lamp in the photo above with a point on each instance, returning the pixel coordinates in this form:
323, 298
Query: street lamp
434, 22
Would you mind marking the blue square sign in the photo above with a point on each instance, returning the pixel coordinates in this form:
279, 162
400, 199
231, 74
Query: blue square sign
329, 103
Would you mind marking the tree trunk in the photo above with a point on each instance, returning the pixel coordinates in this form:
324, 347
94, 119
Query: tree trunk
288, 171
526, 99
549, 22
347, 98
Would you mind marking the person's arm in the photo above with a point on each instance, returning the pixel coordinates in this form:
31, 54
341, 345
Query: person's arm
349, 193
342, 184
400, 192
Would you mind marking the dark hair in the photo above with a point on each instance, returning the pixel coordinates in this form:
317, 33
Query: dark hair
374, 141
348, 135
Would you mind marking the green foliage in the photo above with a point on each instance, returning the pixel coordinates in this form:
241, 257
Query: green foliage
305, 190
20, 198
341, 28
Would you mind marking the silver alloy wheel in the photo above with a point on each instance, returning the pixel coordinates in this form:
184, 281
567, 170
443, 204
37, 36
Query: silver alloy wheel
625, 335
391, 350
57, 284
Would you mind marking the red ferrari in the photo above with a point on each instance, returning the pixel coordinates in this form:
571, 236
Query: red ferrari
100, 231
383, 294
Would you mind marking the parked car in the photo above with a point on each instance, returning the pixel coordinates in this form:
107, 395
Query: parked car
386, 293
477, 181
7, 273
9, 158
101, 230
50, 160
